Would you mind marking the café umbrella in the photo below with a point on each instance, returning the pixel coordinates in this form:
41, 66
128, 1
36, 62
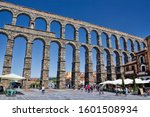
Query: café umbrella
12, 77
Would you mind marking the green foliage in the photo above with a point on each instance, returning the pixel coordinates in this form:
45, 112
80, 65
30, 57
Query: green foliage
135, 87
35, 85
123, 85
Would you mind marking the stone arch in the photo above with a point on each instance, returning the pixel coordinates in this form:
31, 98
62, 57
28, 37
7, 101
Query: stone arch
21, 35
54, 58
105, 41
83, 35
137, 46
37, 56
124, 58
107, 63
70, 32
114, 42
58, 42
83, 60
70, 56
55, 27
19, 51
122, 43
117, 64
143, 45
3, 45
7, 9
6, 17
40, 24
97, 66
130, 46
94, 37
131, 57
23, 20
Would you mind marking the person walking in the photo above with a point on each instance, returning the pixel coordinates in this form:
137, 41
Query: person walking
43, 89
126, 91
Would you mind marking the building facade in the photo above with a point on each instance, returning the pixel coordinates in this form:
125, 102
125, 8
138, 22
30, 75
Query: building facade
140, 65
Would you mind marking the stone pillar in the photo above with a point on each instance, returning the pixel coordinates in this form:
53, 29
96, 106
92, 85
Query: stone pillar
98, 68
132, 46
109, 45
125, 45
32, 24
8, 56
75, 69
45, 67
76, 35
63, 31
27, 65
48, 26
14, 20
88, 68
118, 43
88, 37
102, 67
121, 68
112, 66
61, 81
99, 42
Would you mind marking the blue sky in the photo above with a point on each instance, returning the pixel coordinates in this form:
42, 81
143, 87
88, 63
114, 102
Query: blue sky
130, 16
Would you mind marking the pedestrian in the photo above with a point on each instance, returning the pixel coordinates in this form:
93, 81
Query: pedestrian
43, 89
126, 91
88, 88
117, 90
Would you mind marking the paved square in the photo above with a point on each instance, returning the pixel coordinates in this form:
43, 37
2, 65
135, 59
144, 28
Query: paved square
69, 94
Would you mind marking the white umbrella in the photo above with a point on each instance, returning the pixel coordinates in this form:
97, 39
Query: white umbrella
106, 82
12, 77
128, 81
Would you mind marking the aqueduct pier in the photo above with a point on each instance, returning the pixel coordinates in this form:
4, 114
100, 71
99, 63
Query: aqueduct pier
112, 72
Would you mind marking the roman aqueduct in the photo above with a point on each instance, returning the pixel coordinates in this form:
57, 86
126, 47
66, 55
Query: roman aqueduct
111, 72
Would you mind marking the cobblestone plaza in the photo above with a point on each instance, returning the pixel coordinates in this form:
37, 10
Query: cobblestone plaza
54, 94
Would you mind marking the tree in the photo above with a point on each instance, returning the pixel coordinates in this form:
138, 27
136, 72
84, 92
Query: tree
123, 85
135, 87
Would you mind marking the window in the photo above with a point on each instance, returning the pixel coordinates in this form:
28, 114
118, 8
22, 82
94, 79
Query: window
133, 68
143, 69
141, 59
127, 68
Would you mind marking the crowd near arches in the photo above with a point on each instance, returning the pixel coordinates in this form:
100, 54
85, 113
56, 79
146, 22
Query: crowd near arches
76, 48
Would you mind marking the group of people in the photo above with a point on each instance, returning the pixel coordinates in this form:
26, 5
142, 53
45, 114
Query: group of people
90, 88
120, 90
